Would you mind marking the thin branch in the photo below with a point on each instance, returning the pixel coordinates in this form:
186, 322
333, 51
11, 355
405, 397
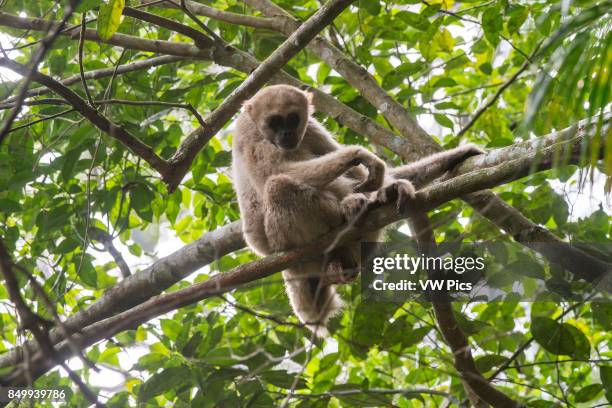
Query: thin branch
55, 115
107, 240
95, 117
53, 32
81, 69
106, 72
196, 20
497, 94
225, 16
200, 39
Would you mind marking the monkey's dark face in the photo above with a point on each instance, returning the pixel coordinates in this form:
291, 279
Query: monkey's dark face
280, 113
284, 129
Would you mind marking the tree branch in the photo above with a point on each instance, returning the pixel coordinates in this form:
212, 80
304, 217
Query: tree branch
52, 32
141, 286
95, 117
225, 16
299, 39
103, 73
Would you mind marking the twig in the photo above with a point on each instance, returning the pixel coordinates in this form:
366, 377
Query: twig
55, 115
196, 20
105, 72
201, 39
496, 96
33, 65
81, 70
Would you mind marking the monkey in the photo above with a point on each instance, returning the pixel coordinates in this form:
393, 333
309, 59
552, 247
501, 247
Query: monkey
295, 183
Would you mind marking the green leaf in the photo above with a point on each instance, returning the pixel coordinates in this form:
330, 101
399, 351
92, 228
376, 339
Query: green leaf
414, 20
605, 373
492, 24
283, 379
372, 6
415, 336
444, 82
87, 5
486, 68
486, 363
163, 381
8, 206
109, 18
552, 336
602, 314
142, 198
443, 120
518, 15
588, 393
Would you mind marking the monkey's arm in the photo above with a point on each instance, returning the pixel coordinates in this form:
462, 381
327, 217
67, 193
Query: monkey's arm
321, 171
320, 143
424, 171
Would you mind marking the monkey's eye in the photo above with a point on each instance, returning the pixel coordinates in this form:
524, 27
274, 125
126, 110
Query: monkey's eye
293, 120
275, 122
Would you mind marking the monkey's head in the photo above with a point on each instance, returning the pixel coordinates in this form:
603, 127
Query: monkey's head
281, 113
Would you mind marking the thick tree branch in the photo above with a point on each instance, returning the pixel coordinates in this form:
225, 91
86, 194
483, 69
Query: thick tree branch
167, 271
299, 39
95, 117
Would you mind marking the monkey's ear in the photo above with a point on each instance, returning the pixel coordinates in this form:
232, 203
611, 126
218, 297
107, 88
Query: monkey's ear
309, 98
247, 105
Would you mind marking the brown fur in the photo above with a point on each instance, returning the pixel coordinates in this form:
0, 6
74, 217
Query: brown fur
290, 196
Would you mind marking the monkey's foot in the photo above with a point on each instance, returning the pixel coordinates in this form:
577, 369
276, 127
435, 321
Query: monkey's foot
401, 191
353, 205
336, 274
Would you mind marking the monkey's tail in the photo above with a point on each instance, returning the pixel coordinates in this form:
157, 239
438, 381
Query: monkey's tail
313, 303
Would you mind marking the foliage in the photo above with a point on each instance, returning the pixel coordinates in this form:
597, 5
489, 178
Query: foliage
61, 180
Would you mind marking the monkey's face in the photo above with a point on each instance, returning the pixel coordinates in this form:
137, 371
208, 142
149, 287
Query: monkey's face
280, 113
284, 130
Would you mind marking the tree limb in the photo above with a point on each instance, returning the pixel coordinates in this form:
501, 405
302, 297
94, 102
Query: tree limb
225, 16
95, 117
299, 39
105, 72
140, 286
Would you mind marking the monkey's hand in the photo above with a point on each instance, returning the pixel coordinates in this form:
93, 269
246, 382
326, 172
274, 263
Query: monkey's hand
353, 205
376, 169
401, 191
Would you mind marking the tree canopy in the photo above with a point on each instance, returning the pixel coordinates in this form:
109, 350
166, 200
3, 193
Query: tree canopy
126, 277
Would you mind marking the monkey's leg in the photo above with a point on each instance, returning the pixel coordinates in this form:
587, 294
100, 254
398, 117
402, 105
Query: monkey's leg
422, 172
297, 214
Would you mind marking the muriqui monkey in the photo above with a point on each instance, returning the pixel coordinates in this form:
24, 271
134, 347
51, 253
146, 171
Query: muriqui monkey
295, 183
